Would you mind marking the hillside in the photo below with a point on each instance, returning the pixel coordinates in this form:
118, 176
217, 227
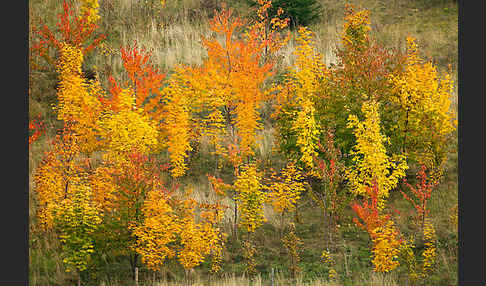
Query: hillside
173, 35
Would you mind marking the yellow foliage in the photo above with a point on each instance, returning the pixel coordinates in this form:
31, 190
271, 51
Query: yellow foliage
78, 100
90, 9
103, 188
250, 197
327, 259
356, 28
385, 247
128, 130
407, 251
249, 251
429, 253
285, 190
77, 219
49, 188
177, 127
197, 239
308, 132
371, 164
54, 175
159, 228
426, 103
308, 67
301, 86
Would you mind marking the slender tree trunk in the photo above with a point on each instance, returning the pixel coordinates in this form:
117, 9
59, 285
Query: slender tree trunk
235, 230
281, 225
136, 276
272, 277
406, 131
297, 215
330, 230
324, 210
346, 264
133, 263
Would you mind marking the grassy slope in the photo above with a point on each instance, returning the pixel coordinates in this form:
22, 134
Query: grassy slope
173, 36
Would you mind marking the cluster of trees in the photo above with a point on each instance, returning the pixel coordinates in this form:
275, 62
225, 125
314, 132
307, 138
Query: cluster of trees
349, 133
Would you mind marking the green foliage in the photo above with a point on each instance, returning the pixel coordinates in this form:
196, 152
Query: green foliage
77, 220
102, 251
300, 12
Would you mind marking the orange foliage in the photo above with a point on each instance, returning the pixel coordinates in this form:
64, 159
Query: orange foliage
144, 77
382, 231
239, 74
54, 175
75, 30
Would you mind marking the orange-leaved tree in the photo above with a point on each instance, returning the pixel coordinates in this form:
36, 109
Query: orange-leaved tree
225, 94
78, 103
384, 235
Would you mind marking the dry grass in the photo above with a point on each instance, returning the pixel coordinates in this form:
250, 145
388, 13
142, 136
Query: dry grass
279, 280
172, 45
173, 35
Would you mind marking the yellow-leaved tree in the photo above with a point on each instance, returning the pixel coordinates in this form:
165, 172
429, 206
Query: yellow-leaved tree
90, 9
250, 197
295, 103
78, 103
285, 190
158, 230
427, 118
371, 163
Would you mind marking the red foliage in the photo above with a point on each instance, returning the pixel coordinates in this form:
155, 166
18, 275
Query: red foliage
369, 213
368, 69
143, 76
421, 192
74, 30
141, 72
36, 129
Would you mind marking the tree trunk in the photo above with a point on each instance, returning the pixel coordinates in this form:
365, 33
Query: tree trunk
330, 231
136, 276
133, 263
235, 230
272, 277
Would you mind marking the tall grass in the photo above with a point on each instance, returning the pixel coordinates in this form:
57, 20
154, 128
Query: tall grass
173, 35
277, 280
